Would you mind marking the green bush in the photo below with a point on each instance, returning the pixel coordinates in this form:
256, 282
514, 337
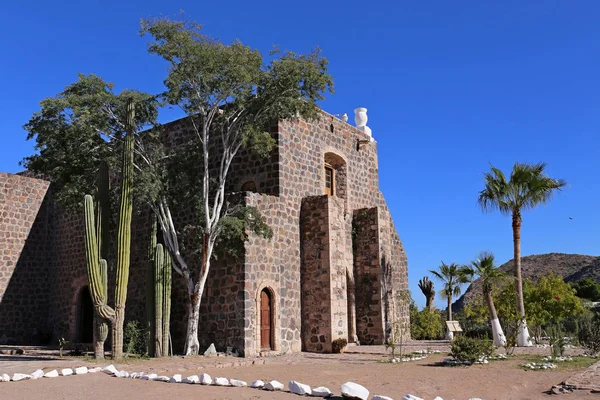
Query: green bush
589, 335
135, 338
467, 349
426, 325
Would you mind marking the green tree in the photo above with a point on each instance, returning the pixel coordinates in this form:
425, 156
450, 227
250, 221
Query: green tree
587, 289
230, 97
550, 300
527, 188
426, 324
84, 126
452, 276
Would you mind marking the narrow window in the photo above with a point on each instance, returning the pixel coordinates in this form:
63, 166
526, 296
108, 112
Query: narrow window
329, 181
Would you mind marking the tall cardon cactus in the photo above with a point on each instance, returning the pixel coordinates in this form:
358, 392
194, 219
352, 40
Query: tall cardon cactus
161, 301
158, 300
166, 314
124, 233
150, 287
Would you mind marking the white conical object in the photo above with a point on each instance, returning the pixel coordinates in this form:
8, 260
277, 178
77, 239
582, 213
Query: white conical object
523, 338
345, 117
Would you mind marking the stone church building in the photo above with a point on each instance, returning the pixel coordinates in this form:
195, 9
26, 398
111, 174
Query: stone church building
335, 267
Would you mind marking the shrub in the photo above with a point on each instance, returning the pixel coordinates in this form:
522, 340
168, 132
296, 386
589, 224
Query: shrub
467, 349
426, 325
589, 335
338, 345
134, 338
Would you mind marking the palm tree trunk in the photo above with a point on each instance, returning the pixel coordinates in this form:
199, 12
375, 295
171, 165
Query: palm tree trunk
497, 332
523, 339
430, 303
449, 308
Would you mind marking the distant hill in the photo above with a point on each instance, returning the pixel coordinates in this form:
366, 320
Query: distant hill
572, 267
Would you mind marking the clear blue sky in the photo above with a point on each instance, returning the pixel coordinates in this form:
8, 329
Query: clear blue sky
450, 86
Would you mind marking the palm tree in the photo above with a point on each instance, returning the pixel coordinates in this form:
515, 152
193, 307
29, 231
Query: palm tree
452, 276
426, 287
485, 268
527, 188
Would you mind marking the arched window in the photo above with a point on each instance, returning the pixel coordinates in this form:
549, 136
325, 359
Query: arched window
249, 186
334, 171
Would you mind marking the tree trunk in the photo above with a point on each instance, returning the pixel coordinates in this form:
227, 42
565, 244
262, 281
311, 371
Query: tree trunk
449, 308
192, 346
430, 303
497, 332
523, 339
124, 234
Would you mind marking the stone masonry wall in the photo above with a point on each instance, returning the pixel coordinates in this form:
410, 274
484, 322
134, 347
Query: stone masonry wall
24, 267
367, 269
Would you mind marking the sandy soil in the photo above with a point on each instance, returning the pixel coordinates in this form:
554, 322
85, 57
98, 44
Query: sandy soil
497, 380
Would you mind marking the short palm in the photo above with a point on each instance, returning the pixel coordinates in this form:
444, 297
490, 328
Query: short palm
452, 276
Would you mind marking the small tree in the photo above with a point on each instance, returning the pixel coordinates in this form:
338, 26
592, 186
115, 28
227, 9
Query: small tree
452, 277
230, 97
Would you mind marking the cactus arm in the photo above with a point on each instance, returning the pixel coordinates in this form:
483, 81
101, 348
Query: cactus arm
97, 291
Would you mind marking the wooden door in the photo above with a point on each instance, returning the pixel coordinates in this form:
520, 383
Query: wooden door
265, 321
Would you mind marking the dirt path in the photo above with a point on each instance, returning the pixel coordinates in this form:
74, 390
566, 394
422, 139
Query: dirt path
497, 380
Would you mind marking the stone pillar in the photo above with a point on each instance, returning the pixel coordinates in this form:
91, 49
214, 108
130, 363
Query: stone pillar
367, 274
326, 255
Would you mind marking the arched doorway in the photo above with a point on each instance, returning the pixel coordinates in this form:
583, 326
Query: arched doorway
266, 321
85, 328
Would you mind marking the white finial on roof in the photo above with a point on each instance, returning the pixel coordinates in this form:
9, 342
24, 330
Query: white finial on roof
361, 118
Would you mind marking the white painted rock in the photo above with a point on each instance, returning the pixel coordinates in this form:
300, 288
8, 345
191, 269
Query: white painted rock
379, 397
111, 370
162, 378
321, 391
175, 379
257, 384
205, 379
122, 374
438, 398
149, 377
411, 397
66, 371
137, 375
237, 383
51, 374
273, 385
20, 377
221, 381
299, 388
4, 378
94, 370
81, 370
37, 374
211, 351
354, 391
191, 379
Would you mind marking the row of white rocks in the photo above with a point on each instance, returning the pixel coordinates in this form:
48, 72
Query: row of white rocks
349, 389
